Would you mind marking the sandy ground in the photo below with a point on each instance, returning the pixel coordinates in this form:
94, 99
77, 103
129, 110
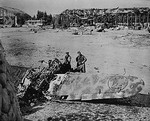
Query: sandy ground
109, 52
56, 111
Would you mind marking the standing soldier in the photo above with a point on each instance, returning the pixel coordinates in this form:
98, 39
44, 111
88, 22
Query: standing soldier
67, 62
81, 59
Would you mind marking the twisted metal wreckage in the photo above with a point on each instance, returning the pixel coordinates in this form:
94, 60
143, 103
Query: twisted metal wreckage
53, 82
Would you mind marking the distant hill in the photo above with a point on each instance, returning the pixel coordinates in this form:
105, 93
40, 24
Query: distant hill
14, 10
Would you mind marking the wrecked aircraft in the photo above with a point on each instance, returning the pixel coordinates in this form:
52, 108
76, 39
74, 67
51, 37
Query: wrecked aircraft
51, 82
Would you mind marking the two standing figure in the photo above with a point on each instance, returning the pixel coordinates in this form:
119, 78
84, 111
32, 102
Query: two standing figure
80, 59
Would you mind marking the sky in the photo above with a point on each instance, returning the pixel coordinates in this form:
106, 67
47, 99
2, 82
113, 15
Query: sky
57, 6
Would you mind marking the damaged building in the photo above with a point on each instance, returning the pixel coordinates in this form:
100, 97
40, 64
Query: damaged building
11, 17
131, 17
7, 18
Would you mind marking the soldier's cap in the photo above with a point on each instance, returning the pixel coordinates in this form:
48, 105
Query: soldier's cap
79, 52
49, 60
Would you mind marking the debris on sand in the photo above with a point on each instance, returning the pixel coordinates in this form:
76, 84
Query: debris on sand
75, 33
96, 68
100, 30
132, 40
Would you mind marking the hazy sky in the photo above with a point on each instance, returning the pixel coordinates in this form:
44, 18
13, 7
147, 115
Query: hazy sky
57, 6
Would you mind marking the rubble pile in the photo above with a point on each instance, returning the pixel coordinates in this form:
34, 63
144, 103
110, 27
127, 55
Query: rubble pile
9, 106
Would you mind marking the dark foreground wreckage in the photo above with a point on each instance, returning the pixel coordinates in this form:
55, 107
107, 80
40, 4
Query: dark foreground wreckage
51, 82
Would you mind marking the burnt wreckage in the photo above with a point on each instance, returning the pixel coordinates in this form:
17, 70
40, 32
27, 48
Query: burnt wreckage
54, 83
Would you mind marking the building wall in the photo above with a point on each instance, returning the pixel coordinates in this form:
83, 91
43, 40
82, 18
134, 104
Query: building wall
7, 17
113, 17
35, 23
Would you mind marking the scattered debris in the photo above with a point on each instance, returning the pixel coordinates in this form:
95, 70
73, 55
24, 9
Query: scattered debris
133, 40
96, 68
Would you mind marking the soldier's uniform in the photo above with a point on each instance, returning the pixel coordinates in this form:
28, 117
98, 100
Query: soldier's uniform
81, 59
67, 62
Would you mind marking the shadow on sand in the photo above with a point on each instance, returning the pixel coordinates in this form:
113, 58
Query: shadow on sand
140, 100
